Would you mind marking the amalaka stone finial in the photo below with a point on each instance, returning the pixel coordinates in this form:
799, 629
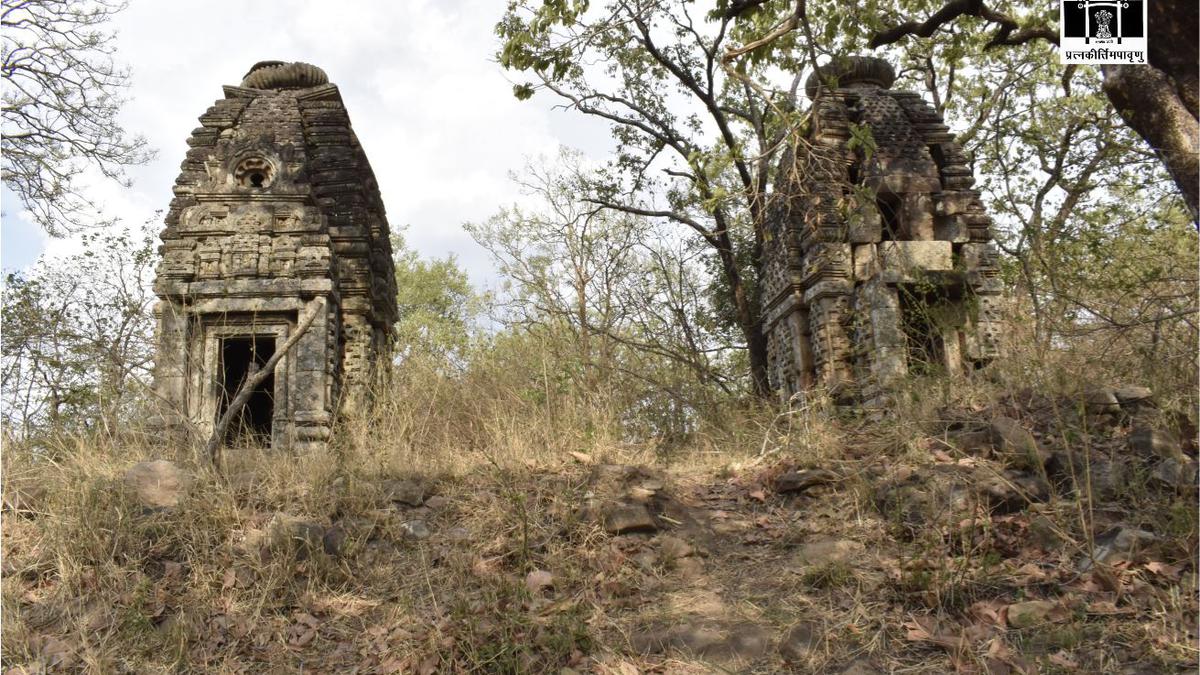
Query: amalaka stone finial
851, 71
284, 75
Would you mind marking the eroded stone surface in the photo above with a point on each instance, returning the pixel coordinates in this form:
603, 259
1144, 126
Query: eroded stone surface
276, 205
879, 263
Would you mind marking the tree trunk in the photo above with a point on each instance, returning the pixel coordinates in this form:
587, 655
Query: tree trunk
1151, 104
1160, 101
749, 321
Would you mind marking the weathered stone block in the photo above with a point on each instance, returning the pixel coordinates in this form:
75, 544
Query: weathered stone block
910, 257
866, 262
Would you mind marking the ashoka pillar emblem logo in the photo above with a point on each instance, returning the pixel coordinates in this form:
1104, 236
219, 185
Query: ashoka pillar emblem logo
1103, 31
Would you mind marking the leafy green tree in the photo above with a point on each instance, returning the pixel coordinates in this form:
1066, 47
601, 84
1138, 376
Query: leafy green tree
1159, 100
77, 346
697, 142
439, 309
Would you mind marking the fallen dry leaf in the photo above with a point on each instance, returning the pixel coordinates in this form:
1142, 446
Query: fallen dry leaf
1168, 572
1063, 660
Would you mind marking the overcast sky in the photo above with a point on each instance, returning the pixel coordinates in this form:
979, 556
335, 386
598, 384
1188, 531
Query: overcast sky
433, 111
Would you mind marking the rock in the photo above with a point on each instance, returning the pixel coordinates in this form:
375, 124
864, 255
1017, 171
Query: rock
1046, 534
1177, 473
538, 580
1107, 478
403, 492
625, 518
1016, 445
800, 641
287, 532
1010, 491
640, 494
457, 535
1132, 394
415, 529
437, 502
689, 568
945, 494
158, 484
1101, 401
1117, 543
975, 442
1031, 613
334, 540
1150, 442
799, 481
672, 548
830, 551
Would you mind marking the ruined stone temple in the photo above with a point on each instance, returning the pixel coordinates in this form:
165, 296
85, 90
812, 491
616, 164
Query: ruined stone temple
879, 262
275, 209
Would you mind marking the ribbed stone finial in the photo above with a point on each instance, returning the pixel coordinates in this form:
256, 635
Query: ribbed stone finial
850, 71
284, 75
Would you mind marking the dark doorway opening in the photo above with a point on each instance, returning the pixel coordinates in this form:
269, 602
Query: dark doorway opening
921, 312
240, 358
889, 210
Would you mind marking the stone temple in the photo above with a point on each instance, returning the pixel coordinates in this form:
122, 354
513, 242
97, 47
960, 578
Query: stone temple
879, 261
275, 206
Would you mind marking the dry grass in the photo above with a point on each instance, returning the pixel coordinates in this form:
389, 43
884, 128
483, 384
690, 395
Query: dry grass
94, 583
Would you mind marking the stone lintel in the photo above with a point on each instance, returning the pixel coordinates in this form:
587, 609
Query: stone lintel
828, 288
250, 288
909, 257
272, 305
234, 91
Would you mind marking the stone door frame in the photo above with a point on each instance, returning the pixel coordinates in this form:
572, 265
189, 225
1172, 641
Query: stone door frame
213, 329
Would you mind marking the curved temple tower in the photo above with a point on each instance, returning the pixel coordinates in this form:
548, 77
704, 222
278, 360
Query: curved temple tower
879, 261
275, 206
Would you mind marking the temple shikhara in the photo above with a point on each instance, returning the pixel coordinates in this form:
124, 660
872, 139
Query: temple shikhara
275, 207
879, 262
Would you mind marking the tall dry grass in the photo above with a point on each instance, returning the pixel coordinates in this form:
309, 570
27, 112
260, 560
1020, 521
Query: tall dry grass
94, 578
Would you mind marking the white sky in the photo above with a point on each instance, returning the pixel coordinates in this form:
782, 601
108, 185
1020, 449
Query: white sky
434, 112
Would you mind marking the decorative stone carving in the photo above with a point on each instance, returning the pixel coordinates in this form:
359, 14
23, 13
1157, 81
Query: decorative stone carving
254, 172
276, 204
877, 263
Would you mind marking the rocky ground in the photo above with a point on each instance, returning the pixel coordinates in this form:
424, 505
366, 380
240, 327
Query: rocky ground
1028, 536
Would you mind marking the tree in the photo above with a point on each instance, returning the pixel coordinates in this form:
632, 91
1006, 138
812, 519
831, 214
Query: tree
438, 307
62, 94
614, 303
1097, 241
1159, 100
697, 143
78, 336
622, 294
